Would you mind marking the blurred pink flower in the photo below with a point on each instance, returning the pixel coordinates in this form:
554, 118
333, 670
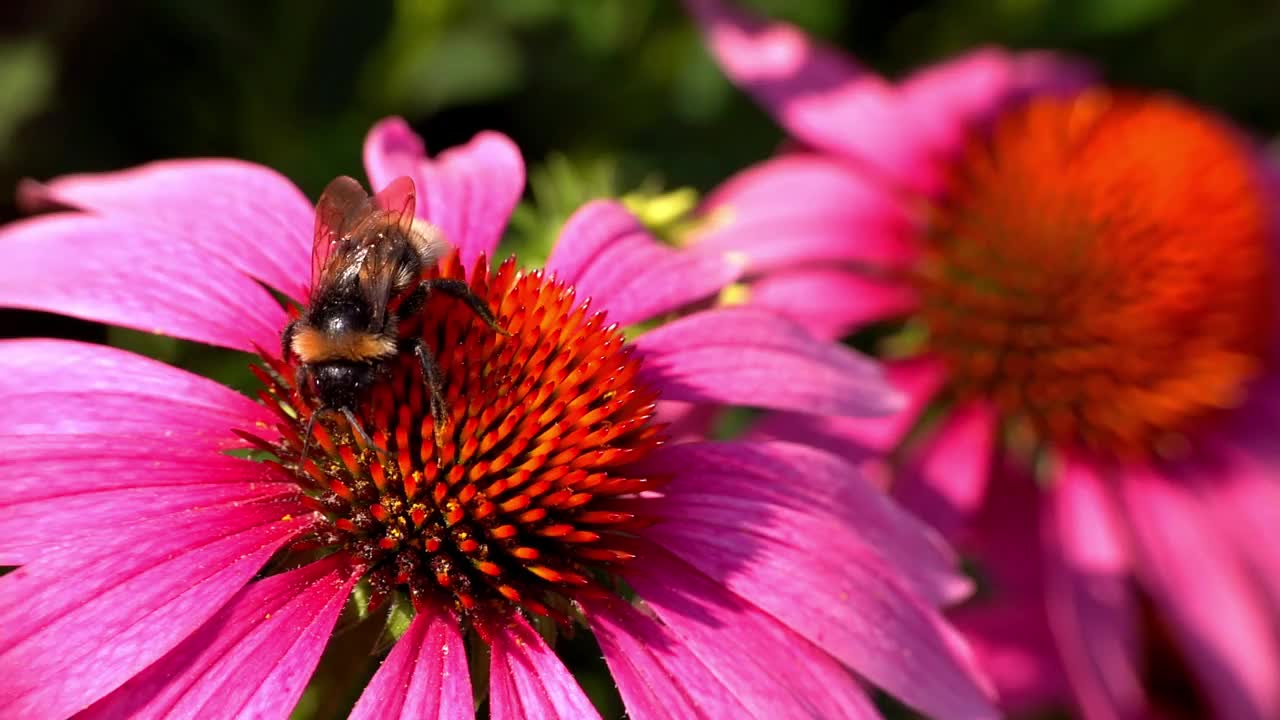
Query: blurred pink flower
770, 579
1086, 279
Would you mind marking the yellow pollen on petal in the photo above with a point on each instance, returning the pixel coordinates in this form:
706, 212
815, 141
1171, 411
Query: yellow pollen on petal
735, 294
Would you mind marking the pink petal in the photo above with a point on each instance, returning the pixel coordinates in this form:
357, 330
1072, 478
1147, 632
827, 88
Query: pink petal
1091, 607
1216, 611
944, 481
820, 95
718, 482
1005, 533
1007, 625
609, 257
44, 467
253, 659
90, 614
527, 680
803, 208
117, 270
60, 387
29, 526
248, 216
467, 191
791, 548
1012, 644
917, 380
1238, 474
750, 357
1243, 488
772, 671
657, 674
945, 104
424, 676
686, 421
831, 303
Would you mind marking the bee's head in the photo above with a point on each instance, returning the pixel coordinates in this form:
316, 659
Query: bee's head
340, 384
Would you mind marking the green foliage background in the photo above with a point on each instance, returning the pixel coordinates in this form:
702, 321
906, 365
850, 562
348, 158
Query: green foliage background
604, 96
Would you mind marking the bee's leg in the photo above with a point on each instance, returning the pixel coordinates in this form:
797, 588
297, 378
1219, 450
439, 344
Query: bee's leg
414, 301
286, 338
358, 429
462, 291
306, 442
435, 390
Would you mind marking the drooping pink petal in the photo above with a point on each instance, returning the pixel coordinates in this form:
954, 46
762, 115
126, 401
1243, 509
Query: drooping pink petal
468, 192
136, 594
917, 380
946, 103
802, 208
608, 256
1091, 607
769, 669
1007, 624
828, 558
527, 680
944, 481
821, 96
1013, 645
656, 672
1216, 611
425, 676
117, 270
831, 303
248, 216
60, 387
1242, 486
252, 660
28, 527
751, 357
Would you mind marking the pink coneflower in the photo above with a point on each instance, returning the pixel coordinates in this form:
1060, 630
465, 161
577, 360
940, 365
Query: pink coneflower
1086, 278
162, 576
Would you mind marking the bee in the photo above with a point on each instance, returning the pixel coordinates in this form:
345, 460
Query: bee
367, 252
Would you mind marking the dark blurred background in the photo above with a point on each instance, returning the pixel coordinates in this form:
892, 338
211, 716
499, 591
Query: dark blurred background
604, 96
619, 87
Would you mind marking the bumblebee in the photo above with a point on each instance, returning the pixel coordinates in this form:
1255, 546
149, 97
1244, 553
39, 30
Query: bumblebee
367, 251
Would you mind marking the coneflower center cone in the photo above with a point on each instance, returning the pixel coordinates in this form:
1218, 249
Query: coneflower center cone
525, 504
1101, 267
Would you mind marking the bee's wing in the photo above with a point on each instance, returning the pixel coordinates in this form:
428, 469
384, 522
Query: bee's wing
342, 206
399, 199
379, 234
378, 274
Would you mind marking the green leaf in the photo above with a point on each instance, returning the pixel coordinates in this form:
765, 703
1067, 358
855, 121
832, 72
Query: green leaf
26, 84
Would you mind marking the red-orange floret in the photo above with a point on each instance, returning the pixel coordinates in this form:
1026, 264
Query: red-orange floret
526, 502
1102, 267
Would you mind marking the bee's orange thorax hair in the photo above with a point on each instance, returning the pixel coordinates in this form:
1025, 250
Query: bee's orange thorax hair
313, 346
